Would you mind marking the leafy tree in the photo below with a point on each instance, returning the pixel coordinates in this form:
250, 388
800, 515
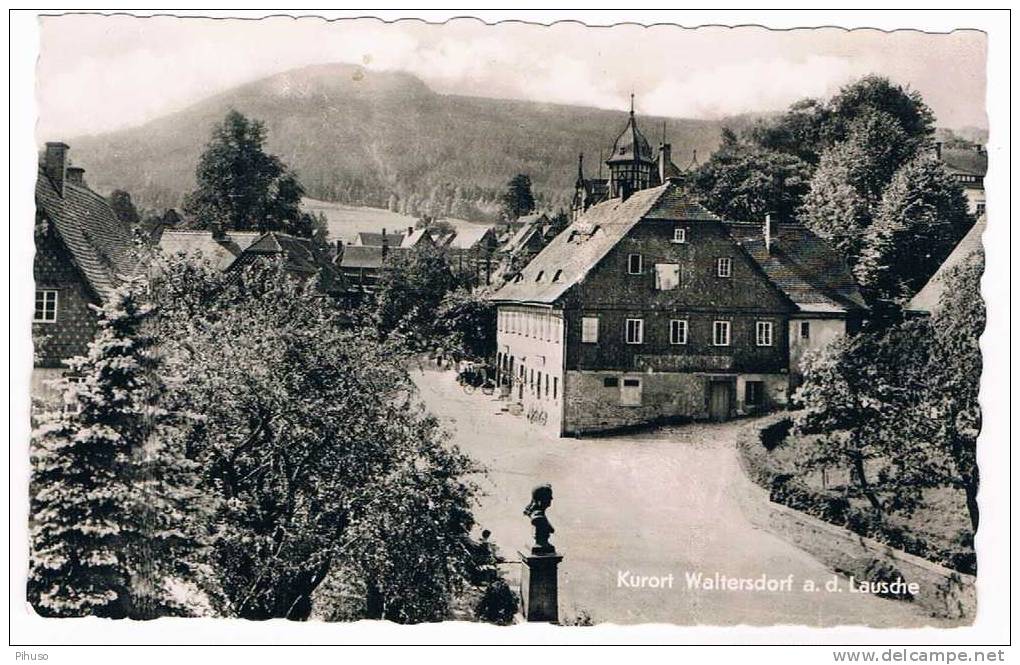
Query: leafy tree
518, 199
243, 187
846, 189
921, 218
466, 325
898, 406
336, 492
409, 293
744, 182
114, 500
124, 209
849, 393
798, 132
954, 380
873, 94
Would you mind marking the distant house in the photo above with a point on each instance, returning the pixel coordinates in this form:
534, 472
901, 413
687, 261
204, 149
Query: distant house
926, 301
301, 257
469, 249
968, 166
233, 250
417, 238
220, 249
360, 267
83, 253
632, 167
649, 307
380, 239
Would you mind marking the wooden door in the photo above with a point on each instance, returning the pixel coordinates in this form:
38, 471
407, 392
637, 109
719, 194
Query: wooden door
719, 401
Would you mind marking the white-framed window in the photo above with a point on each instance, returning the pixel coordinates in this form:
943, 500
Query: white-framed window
678, 331
667, 276
724, 267
721, 333
45, 306
634, 264
763, 333
635, 333
679, 235
590, 329
805, 330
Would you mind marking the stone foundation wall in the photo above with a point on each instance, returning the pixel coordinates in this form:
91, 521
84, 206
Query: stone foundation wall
591, 406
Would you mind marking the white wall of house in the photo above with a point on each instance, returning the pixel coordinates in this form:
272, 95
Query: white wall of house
819, 333
533, 339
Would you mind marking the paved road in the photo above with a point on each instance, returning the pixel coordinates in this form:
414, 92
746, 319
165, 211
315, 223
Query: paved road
666, 502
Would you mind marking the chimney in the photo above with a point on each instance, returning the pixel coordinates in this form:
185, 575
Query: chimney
938, 150
665, 157
76, 175
55, 164
339, 250
980, 149
768, 233
410, 230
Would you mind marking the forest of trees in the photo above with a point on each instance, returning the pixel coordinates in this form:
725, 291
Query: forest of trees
859, 170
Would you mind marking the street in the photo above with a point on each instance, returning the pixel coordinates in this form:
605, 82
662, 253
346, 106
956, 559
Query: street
647, 523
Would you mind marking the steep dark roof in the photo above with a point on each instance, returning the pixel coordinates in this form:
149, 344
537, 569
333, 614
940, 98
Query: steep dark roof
362, 257
967, 161
470, 236
372, 239
800, 264
927, 299
300, 256
220, 253
631, 145
579, 247
803, 266
100, 245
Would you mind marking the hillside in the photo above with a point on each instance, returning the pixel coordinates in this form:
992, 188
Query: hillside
381, 139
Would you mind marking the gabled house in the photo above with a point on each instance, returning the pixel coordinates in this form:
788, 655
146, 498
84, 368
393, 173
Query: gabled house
231, 251
379, 239
360, 268
970, 248
648, 307
633, 166
302, 259
968, 165
220, 249
82, 254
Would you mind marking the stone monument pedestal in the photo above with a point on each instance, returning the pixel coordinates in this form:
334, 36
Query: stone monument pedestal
540, 587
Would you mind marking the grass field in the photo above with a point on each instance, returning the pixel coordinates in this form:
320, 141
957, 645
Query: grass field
345, 221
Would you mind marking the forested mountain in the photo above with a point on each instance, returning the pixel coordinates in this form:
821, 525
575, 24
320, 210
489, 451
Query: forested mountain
382, 139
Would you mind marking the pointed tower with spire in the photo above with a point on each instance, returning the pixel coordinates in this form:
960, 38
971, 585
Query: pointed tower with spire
631, 165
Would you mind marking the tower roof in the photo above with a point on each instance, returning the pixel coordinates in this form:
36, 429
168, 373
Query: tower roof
631, 145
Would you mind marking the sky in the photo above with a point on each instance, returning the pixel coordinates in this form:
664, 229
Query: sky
97, 74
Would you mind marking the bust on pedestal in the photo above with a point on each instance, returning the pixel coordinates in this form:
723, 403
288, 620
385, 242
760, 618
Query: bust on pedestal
539, 583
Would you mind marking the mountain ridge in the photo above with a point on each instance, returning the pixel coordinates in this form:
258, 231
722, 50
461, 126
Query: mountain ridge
384, 139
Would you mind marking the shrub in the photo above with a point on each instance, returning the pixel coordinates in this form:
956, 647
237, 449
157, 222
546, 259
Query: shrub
773, 435
498, 604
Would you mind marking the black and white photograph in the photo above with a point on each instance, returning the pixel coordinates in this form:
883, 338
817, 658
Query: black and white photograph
506, 326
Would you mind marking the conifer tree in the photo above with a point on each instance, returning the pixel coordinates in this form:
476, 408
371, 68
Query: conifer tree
112, 495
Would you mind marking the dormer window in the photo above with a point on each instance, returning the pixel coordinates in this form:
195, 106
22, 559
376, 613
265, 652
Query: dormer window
679, 235
634, 264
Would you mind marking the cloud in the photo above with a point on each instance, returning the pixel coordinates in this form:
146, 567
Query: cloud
100, 73
756, 85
